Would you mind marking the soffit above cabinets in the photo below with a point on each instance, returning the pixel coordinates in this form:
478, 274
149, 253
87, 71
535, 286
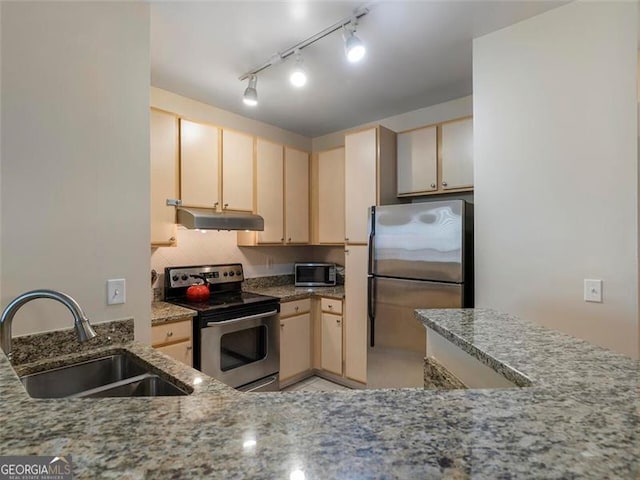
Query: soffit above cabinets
418, 54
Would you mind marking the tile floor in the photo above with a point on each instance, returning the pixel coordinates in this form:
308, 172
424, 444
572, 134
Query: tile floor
393, 368
314, 384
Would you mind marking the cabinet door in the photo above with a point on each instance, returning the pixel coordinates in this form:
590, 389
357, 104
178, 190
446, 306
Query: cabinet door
360, 183
355, 317
164, 176
418, 161
295, 345
181, 351
457, 154
331, 358
237, 171
199, 164
331, 196
296, 194
269, 190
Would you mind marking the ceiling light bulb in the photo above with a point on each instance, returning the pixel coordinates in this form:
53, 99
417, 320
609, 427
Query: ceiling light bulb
298, 77
354, 48
251, 94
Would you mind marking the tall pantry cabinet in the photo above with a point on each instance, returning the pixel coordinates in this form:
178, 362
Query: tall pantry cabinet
370, 179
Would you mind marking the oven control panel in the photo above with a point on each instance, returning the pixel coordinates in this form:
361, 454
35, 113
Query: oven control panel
214, 274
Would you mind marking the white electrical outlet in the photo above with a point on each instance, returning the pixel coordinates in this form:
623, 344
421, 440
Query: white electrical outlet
592, 290
116, 291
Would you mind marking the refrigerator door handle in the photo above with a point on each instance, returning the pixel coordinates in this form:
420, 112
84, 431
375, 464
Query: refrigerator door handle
371, 308
372, 234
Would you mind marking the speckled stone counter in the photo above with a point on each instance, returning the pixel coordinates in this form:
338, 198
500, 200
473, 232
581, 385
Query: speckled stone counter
579, 419
290, 292
163, 312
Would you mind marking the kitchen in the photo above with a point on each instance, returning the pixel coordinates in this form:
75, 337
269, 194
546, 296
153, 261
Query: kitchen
123, 222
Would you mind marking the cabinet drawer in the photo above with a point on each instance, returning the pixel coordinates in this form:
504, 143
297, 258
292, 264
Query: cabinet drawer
331, 305
295, 307
181, 351
171, 332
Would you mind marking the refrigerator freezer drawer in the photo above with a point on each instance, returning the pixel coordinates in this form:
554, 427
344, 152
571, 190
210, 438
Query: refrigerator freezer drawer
394, 302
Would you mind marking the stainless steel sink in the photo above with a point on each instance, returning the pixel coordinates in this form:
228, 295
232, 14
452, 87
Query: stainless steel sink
118, 375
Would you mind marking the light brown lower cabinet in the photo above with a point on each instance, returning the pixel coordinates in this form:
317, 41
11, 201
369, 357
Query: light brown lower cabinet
331, 357
174, 339
295, 338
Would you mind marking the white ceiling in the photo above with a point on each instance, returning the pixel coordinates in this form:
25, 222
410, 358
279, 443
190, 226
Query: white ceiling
418, 54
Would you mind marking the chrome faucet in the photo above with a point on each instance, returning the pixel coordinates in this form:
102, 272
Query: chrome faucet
81, 322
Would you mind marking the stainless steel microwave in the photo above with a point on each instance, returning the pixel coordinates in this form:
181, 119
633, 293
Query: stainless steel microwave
315, 274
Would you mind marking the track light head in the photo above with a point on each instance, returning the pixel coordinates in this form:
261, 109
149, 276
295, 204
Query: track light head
298, 77
353, 46
250, 96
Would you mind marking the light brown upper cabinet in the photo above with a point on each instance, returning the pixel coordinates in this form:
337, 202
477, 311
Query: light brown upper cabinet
418, 161
329, 197
237, 171
296, 195
199, 164
269, 188
282, 196
457, 154
370, 178
436, 159
164, 176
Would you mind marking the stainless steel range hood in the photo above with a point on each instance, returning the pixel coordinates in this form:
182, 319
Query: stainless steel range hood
209, 219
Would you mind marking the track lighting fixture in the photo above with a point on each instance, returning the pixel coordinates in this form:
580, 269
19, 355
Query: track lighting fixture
298, 77
251, 94
353, 46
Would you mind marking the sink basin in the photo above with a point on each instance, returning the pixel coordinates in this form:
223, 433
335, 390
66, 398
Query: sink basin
143, 386
118, 375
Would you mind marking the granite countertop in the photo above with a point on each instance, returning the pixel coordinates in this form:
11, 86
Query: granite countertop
579, 419
290, 292
163, 312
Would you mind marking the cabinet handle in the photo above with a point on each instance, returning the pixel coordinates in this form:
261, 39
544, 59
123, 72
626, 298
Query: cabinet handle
433, 185
215, 205
330, 307
189, 347
444, 184
282, 239
297, 308
346, 251
169, 334
338, 321
346, 239
289, 239
282, 325
172, 239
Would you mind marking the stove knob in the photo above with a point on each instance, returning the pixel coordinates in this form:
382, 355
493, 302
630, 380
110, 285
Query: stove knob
174, 278
225, 274
231, 274
238, 272
184, 277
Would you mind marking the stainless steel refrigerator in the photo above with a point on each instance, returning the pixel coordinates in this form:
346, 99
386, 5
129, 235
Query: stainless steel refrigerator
420, 256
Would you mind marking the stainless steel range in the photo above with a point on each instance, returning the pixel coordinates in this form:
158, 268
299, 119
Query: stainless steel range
236, 335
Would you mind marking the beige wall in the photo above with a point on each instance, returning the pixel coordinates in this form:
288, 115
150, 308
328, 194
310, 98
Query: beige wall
198, 248
556, 170
460, 107
203, 112
75, 158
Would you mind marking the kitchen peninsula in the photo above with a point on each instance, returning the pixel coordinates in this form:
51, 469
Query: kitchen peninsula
578, 419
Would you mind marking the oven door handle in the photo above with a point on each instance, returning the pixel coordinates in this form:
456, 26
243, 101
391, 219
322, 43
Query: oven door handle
242, 319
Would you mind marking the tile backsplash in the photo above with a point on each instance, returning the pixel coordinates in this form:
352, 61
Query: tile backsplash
213, 247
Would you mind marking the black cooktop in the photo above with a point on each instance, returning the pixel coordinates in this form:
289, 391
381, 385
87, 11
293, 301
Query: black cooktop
219, 302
